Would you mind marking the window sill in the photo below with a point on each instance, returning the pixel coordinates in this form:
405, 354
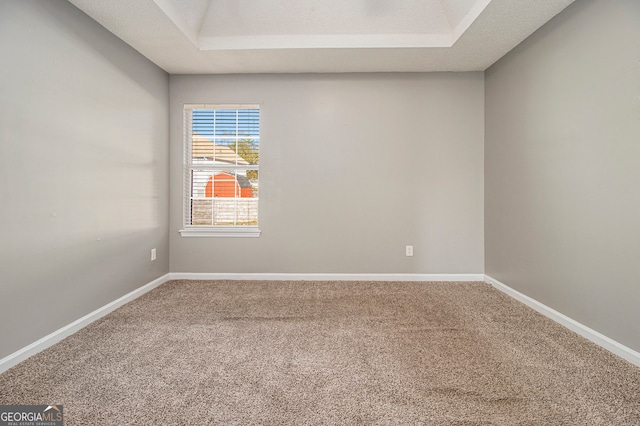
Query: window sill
221, 231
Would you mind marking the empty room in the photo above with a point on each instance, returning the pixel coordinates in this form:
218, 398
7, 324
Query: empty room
320, 212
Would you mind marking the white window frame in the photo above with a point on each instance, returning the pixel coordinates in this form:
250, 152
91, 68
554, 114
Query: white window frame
189, 230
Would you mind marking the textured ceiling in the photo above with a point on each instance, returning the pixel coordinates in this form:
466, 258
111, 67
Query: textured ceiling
281, 36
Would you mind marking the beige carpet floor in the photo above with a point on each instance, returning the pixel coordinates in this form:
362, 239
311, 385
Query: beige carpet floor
267, 353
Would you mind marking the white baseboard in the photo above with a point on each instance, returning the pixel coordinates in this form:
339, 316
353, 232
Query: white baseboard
573, 325
584, 331
326, 277
53, 338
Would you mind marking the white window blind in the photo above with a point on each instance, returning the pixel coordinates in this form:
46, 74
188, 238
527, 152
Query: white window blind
221, 168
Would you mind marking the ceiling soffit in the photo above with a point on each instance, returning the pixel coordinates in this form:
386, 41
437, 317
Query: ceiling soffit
295, 24
321, 36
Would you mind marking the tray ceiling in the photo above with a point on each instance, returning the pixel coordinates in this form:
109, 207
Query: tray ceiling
267, 36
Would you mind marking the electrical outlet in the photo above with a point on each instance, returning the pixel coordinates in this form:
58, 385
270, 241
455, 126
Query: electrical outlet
153, 254
408, 251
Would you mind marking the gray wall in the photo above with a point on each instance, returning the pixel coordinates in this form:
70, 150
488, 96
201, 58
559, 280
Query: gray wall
353, 168
83, 169
563, 167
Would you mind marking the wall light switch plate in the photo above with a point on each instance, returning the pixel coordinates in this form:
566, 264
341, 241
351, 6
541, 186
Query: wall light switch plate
408, 251
153, 254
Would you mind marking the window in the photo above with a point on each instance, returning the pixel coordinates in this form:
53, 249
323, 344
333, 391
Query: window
221, 152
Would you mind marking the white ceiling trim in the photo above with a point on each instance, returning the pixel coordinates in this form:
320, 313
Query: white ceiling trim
347, 41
